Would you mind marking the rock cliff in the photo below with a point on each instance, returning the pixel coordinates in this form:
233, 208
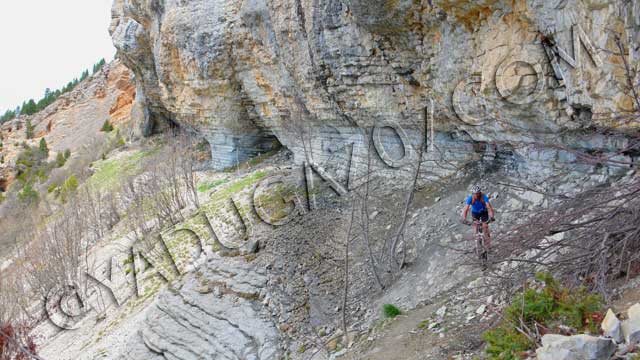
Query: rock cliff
74, 120
517, 84
312, 74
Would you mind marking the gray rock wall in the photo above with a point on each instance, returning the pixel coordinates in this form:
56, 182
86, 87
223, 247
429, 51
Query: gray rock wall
244, 72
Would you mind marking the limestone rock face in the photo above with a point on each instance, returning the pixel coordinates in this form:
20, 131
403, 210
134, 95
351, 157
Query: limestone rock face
214, 315
314, 75
74, 120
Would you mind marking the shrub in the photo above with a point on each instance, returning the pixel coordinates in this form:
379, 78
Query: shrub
390, 311
62, 157
28, 194
60, 160
41, 174
68, 187
107, 127
549, 307
52, 187
10, 336
31, 165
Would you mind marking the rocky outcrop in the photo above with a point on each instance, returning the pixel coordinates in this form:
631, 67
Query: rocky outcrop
621, 336
216, 314
576, 347
74, 120
611, 327
312, 74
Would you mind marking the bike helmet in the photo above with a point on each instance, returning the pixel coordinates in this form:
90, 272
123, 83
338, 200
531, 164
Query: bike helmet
476, 189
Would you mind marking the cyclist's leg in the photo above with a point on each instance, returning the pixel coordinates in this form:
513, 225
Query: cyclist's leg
484, 217
474, 217
487, 235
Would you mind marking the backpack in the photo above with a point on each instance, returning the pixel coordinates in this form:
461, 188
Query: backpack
473, 199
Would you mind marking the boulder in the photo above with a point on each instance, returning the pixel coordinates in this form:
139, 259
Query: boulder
631, 326
634, 312
611, 327
631, 330
576, 347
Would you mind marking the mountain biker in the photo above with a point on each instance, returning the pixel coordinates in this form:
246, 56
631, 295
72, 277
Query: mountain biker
481, 209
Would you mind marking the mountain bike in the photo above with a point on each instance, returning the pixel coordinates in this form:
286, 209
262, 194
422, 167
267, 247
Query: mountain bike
482, 251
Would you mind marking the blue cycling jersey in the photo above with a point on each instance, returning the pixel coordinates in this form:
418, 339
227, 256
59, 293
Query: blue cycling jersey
478, 206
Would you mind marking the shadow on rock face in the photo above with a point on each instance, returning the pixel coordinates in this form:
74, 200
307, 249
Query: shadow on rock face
381, 16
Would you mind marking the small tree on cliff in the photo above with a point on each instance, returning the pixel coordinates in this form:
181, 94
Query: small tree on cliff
60, 160
107, 127
29, 130
44, 149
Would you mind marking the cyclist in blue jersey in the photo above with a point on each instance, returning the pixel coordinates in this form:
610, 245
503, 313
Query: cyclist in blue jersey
481, 209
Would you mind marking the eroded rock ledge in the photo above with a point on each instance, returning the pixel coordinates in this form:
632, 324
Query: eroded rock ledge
250, 74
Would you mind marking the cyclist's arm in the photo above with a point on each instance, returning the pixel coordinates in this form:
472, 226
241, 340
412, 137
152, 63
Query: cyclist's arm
491, 212
465, 211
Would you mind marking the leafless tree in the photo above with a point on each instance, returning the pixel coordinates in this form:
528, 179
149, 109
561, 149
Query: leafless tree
593, 237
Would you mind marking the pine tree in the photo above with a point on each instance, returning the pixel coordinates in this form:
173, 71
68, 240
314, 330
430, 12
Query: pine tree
44, 149
29, 129
8, 115
107, 127
29, 107
60, 160
97, 67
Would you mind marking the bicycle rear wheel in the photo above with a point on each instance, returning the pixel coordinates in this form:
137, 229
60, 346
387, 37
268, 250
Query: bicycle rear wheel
483, 254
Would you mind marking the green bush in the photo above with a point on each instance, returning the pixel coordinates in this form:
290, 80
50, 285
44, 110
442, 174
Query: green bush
28, 194
60, 160
31, 165
107, 127
390, 311
68, 187
41, 174
52, 187
551, 306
